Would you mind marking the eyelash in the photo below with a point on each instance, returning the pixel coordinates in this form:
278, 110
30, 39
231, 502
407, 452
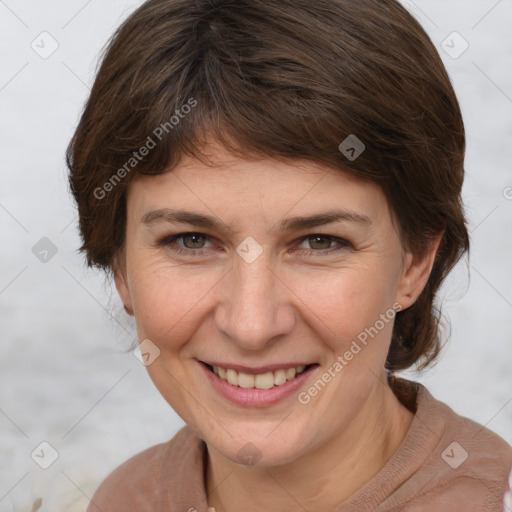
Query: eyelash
169, 240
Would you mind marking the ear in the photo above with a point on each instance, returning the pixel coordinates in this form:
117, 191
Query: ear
416, 271
123, 290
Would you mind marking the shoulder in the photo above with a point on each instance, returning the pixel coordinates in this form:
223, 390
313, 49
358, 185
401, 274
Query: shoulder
467, 464
474, 449
477, 463
134, 485
455, 440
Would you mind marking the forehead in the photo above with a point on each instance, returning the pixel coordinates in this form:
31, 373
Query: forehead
263, 188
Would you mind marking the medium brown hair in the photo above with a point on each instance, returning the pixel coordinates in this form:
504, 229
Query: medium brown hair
286, 79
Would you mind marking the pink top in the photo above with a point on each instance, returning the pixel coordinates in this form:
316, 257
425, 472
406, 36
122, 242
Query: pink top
446, 463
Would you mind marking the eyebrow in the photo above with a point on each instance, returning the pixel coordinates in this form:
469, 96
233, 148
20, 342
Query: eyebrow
290, 224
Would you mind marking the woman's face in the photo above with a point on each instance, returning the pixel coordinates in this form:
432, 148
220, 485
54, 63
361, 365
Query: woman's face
258, 288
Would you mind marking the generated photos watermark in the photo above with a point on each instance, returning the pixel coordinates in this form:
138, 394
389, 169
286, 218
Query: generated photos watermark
343, 360
137, 156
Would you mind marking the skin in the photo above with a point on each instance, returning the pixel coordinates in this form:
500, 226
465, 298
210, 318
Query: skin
300, 300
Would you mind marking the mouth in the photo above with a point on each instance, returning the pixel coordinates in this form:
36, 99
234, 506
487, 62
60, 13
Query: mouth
256, 378
257, 387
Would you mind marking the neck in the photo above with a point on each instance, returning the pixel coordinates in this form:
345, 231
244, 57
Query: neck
319, 480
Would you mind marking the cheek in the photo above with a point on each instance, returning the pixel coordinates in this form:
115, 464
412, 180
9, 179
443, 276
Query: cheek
336, 305
349, 301
167, 300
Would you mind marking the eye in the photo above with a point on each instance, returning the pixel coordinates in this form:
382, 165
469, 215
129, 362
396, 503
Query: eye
321, 243
192, 241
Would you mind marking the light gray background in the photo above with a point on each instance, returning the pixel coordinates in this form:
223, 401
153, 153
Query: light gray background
64, 377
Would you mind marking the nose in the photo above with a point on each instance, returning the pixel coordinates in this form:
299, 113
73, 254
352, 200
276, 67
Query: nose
255, 307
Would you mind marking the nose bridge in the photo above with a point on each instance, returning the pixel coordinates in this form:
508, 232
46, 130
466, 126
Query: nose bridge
255, 307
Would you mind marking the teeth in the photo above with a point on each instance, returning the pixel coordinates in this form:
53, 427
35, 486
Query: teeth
290, 373
279, 377
245, 380
232, 377
261, 381
264, 381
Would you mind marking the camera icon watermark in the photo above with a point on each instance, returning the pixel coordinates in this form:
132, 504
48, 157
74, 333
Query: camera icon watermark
454, 455
454, 45
44, 250
352, 147
146, 352
44, 455
507, 193
44, 45
249, 250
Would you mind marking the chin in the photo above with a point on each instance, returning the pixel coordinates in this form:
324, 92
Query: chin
258, 450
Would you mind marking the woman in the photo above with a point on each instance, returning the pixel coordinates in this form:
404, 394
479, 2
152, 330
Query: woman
222, 141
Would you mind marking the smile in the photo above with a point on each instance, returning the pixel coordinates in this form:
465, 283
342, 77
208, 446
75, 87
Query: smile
261, 387
260, 381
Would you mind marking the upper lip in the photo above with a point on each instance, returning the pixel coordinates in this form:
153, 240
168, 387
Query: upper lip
256, 370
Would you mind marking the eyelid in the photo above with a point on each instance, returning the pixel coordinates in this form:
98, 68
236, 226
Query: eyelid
342, 243
167, 240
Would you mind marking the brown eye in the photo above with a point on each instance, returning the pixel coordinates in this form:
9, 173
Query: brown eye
197, 240
319, 244
192, 243
320, 241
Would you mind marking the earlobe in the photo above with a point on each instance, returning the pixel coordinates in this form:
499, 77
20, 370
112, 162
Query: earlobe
129, 310
417, 269
123, 291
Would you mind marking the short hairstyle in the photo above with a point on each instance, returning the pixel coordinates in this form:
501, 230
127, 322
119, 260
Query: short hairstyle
285, 79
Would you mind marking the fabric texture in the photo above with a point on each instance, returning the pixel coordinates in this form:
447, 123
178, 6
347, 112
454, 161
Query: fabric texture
445, 463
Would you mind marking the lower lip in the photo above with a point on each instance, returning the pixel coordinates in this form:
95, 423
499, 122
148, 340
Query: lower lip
256, 397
